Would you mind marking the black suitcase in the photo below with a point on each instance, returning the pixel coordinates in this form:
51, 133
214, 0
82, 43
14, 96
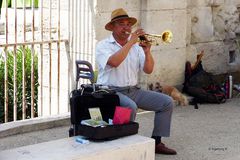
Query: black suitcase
91, 96
81, 101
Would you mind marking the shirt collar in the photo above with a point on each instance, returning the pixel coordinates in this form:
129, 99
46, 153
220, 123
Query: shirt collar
111, 39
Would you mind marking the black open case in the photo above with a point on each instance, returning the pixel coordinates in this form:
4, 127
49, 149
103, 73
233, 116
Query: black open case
91, 96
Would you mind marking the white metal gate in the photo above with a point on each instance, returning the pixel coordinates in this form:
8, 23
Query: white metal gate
58, 32
33, 28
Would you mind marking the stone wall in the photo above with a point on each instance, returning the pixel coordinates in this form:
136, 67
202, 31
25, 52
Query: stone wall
210, 25
214, 26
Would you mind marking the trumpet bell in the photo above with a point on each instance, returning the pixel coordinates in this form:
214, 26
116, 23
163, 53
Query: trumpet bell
155, 39
167, 36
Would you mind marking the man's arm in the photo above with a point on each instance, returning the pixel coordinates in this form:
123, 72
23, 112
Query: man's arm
149, 62
116, 59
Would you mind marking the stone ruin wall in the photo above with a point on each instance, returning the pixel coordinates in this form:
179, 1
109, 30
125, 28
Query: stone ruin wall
215, 28
209, 25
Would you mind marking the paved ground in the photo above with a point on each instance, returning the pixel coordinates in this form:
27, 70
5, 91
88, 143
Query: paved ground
211, 132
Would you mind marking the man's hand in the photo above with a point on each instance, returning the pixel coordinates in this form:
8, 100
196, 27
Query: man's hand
135, 35
144, 44
146, 47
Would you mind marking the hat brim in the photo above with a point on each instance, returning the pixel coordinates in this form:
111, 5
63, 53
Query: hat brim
109, 25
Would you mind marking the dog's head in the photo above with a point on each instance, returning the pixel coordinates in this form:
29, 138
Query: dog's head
150, 86
157, 87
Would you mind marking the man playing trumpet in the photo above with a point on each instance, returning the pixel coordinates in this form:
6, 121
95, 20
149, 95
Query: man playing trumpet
120, 58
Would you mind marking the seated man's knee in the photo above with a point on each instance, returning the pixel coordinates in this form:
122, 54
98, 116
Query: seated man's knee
169, 103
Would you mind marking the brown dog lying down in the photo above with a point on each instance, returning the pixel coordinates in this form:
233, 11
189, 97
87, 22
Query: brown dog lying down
171, 91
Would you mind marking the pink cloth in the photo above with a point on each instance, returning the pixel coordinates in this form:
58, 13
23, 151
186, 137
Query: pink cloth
121, 115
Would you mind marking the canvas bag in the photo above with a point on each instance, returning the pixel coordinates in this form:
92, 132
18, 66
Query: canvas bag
200, 84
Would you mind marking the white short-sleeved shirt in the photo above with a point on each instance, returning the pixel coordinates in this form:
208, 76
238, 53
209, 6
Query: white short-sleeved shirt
126, 74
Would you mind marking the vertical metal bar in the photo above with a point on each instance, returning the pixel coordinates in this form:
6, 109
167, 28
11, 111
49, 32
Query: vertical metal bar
81, 32
58, 49
70, 37
6, 85
6, 67
88, 32
41, 50
75, 28
32, 64
84, 42
89, 54
23, 64
50, 55
74, 32
93, 36
15, 68
84, 30
72, 27
81, 35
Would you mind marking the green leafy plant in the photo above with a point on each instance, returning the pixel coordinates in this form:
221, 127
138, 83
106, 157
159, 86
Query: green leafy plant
20, 3
19, 77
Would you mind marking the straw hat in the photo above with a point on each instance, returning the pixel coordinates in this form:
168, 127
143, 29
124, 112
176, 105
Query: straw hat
119, 14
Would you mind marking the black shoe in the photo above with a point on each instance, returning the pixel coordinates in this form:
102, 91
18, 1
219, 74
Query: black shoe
162, 149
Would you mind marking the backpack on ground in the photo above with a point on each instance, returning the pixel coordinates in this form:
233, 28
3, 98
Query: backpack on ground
200, 84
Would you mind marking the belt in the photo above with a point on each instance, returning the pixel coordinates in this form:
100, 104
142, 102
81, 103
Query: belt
125, 88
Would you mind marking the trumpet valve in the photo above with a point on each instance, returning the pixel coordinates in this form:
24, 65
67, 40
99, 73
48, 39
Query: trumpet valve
143, 38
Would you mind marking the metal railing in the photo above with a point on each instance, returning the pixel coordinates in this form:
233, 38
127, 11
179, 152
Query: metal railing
37, 40
59, 32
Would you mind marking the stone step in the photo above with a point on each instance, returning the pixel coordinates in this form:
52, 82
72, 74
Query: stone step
133, 147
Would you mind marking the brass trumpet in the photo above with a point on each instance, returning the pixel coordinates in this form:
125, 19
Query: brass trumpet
155, 39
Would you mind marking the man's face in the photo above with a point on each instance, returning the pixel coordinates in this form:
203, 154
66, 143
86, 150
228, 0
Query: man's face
122, 28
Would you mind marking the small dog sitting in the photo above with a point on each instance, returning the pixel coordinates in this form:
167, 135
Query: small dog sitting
171, 91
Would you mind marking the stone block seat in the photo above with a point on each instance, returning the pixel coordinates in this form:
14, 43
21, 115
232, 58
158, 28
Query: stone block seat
133, 147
